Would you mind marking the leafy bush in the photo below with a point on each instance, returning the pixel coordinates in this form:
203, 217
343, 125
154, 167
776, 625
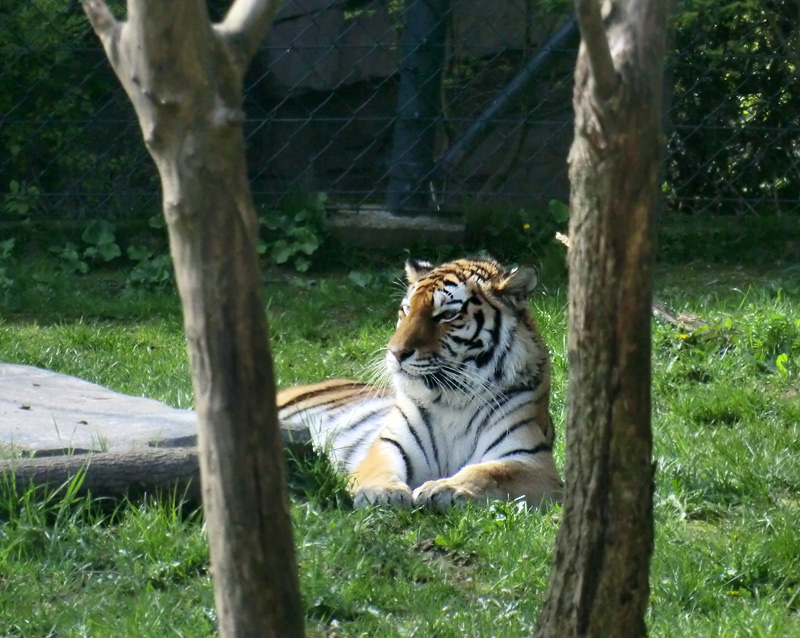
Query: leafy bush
151, 269
101, 246
62, 135
20, 200
734, 135
294, 232
5, 255
514, 234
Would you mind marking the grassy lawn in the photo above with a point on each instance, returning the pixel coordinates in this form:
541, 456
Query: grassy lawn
727, 440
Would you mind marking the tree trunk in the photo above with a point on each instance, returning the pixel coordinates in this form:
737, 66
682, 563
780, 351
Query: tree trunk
600, 583
184, 77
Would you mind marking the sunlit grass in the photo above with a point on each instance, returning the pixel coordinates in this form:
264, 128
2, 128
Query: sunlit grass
726, 422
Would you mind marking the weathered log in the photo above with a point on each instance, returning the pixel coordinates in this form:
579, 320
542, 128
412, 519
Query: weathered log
130, 474
113, 474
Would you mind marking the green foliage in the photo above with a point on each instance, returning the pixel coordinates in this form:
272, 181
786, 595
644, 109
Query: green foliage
153, 270
6, 247
457, 536
768, 342
41, 515
514, 233
102, 243
70, 257
735, 84
311, 475
100, 247
294, 232
769, 241
120, 572
21, 199
54, 92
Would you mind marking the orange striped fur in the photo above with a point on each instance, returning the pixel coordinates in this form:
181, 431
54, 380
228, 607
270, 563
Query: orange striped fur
466, 417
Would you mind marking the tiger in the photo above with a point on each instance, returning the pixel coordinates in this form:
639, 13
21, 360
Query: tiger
466, 417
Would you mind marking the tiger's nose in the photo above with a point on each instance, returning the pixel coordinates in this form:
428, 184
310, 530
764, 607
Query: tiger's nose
401, 354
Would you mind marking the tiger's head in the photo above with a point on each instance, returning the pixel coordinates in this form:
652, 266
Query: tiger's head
464, 329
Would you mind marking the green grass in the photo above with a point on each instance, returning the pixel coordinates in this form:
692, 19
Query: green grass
726, 408
71, 568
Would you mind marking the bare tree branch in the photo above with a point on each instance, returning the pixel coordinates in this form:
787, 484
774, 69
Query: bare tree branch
598, 52
245, 26
104, 24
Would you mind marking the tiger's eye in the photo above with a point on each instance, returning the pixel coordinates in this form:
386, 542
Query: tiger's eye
447, 315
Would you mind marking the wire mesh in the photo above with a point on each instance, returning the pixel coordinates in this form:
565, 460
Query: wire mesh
325, 98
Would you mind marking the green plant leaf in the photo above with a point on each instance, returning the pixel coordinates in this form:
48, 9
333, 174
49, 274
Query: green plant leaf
281, 252
360, 279
109, 251
138, 252
781, 362
6, 247
99, 232
559, 210
309, 245
270, 221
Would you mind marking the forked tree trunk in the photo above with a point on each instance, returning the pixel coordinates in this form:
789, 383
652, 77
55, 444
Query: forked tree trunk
184, 77
599, 587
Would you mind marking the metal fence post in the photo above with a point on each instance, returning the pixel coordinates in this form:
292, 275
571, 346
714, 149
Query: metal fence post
418, 107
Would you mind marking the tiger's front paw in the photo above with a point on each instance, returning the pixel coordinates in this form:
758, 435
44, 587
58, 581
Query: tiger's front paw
443, 494
396, 494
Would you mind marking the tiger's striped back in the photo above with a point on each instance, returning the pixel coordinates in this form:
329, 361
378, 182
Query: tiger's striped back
467, 415
343, 417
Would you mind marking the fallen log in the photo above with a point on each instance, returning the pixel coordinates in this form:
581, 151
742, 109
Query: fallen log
112, 474
130, 474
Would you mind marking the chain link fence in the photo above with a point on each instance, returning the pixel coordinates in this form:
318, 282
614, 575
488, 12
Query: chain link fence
434, 105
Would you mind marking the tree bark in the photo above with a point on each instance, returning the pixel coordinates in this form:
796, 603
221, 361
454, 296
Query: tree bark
600, 582
184, 77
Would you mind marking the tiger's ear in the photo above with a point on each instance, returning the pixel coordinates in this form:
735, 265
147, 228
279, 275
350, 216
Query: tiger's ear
416, 270
519, 284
